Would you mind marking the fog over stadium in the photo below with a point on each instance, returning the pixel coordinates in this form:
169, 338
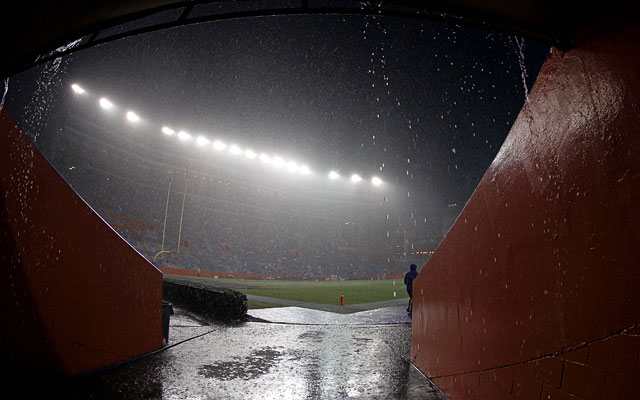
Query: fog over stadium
300, 146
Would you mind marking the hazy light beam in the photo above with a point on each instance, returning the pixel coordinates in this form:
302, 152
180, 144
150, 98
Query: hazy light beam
77, 88
218, 145
132, 117
278, 162
105, 103
292, 166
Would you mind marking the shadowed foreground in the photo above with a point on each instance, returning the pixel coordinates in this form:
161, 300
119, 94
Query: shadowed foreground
267, 361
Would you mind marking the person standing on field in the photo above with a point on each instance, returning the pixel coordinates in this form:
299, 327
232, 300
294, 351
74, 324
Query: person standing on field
408, 281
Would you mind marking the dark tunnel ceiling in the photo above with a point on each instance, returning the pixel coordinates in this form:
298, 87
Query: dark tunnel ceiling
33, 28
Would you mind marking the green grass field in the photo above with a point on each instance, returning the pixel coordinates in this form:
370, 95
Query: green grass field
322, 292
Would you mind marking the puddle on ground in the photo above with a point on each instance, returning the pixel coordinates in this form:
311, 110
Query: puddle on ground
314, 336
259, 362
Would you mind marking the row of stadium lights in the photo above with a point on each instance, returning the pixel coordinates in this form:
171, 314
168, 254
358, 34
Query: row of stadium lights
275, 161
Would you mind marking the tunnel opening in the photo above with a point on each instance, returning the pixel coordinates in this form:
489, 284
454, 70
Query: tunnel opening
100, 125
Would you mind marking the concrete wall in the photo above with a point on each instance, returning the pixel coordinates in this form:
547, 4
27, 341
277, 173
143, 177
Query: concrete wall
534, 293
74, 295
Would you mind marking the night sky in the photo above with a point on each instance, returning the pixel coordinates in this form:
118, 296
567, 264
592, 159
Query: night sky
425, 105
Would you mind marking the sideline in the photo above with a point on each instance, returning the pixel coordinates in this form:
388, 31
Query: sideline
346, 309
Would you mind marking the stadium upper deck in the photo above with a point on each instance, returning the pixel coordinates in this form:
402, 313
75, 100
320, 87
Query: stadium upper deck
237, 216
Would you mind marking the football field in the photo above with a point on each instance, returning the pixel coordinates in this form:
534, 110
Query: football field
317, 292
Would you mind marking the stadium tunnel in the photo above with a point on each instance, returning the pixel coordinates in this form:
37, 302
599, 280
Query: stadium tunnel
532, 293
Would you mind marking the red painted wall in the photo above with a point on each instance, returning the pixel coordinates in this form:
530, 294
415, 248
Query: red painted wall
534, 292
74, 295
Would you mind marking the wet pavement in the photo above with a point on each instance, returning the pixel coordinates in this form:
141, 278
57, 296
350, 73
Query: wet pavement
346, 309
338, 356
297, 315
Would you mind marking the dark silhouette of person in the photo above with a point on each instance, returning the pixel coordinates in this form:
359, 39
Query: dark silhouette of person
408, 281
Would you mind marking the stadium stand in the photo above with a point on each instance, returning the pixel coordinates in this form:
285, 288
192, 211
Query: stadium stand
234, 219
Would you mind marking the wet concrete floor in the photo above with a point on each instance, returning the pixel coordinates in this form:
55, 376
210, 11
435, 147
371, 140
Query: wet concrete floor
335, 308
298, 315
258, 360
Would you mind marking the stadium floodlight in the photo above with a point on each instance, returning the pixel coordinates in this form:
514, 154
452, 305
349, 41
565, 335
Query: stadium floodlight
77, 88
182, 135
277, 162
355, 178
376, 181
132, 117
249, 154
292, 166
304, 170
235, 149
202, 141
218, 145
334, 175
105, 103
168, 131
265, 158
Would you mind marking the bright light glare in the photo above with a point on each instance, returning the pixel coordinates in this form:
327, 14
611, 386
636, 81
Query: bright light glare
133, 117
105, 103
292, 166
218, 145
277, 162
77, 88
